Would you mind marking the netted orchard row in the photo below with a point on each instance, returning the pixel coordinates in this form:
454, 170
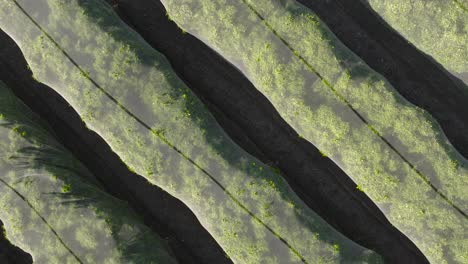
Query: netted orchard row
53, 207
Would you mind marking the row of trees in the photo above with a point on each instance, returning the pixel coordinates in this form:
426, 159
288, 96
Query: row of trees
53, 207
439, 27
128, 93
394, 151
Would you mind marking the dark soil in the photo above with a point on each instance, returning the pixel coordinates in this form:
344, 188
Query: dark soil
260, 130
164, 214
415, 75
10, 254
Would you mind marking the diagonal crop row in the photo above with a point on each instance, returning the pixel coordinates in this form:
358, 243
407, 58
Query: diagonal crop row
394, 151
53, 207
164, 214
126, 92
320, 183
445, 34
416, 76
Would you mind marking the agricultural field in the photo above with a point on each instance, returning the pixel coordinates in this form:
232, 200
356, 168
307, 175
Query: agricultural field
350, 120
415, 75
54, 209
446, 21
161, 131
394, 151
235, 102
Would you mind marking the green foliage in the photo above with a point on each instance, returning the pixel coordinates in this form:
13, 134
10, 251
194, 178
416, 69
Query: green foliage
437, 27
47, 217
66, 188
393, 150
160, 129
359, 187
